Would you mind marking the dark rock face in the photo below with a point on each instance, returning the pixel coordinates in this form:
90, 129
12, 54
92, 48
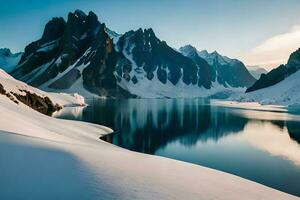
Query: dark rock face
155, 58
278, 74
80, 40
206, 73
98, 75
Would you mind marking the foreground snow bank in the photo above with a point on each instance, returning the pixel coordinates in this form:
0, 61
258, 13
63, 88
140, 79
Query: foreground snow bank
47, 158
286, 93
14, 86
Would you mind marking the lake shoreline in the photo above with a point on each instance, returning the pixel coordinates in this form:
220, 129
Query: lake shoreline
95, 109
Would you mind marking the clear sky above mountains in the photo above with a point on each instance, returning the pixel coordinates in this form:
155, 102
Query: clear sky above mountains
259, 32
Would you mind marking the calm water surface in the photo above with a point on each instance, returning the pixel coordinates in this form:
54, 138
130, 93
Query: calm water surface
261, 144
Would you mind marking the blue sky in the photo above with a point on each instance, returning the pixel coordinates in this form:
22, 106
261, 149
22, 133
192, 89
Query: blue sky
237, 28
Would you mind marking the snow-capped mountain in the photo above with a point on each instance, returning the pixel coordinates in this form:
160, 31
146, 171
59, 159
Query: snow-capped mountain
278, 74
83, 55
256, 71
8, 60
226, 71
76, 55
156, 68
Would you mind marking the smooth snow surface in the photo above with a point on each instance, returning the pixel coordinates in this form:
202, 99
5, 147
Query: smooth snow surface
286, 92
48, 158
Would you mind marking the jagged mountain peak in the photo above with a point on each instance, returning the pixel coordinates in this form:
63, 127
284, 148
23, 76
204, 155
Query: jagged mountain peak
53, 29
188, 50
215, 53
145, 33
209, 57
83, 55
79, 13
212, 57
203, 52
5, 52
226, 71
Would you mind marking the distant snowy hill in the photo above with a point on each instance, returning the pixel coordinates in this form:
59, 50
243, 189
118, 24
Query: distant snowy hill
256, 71
286, 92
223, 70
8, 60
278, 74
83, 55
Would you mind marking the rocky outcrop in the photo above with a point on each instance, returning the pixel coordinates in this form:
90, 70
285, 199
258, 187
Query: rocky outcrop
41, 104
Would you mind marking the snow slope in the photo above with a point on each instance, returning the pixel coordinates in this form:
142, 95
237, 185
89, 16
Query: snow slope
286, 92
51, 158
12, 85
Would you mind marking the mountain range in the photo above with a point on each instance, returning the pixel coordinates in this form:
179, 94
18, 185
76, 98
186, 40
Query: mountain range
9, 60
83, 55
226, 71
